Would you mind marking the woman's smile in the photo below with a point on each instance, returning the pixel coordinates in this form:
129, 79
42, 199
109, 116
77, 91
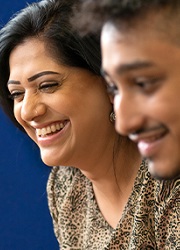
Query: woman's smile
52, 133
50, 129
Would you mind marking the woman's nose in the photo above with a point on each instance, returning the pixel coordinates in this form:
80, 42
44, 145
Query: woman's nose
31, 108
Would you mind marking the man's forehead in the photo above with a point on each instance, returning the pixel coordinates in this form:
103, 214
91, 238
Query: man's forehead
147, 20
152, 28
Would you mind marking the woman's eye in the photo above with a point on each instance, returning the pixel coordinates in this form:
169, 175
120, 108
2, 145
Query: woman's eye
16, 95
48, 87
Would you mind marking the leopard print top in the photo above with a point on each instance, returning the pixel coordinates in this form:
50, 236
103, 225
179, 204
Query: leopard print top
150, 219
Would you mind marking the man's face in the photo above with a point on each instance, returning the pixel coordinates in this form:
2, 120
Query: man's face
143, 72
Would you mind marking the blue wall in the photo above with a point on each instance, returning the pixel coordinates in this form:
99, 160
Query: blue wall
25, 222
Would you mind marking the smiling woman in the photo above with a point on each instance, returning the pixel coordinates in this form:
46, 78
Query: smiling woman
25, 222
58, 97
38, 113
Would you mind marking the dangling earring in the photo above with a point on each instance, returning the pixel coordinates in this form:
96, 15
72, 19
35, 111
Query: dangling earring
112, 117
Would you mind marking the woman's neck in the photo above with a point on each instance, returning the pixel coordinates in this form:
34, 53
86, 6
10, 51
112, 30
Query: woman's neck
113, 184
115, 166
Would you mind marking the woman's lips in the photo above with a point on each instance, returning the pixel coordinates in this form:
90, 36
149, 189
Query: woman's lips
50, 129
56, 133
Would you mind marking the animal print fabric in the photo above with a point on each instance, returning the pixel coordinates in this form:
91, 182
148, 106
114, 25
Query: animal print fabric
150, 219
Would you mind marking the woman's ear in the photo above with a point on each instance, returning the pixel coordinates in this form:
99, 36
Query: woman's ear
111, 97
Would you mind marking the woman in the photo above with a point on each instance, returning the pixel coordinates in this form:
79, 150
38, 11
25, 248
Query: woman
100, 194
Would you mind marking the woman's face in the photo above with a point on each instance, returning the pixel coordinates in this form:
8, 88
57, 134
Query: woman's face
65, 110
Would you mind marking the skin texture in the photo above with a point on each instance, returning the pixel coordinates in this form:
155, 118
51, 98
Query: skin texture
142, 69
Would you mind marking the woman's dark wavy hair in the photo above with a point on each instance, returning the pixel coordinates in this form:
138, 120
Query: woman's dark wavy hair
48, 20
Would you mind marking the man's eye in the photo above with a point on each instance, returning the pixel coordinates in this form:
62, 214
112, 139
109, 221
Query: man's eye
16, 95
142, 84
48, 87
146, 83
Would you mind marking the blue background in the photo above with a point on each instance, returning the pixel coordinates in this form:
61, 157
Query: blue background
25, 222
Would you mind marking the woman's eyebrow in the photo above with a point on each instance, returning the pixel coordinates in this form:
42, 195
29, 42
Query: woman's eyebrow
32, 78
13, 82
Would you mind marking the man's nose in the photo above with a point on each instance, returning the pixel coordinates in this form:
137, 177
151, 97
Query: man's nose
129, 117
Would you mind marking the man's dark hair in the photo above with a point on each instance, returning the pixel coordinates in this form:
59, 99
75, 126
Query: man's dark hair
49, 21
93, 14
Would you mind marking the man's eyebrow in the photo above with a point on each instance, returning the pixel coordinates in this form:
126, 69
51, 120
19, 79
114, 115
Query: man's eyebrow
32, 78
124, 68
137, 65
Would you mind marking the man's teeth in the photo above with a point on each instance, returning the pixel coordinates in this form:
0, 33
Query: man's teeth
49, 129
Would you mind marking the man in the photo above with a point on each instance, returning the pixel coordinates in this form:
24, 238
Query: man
140, 42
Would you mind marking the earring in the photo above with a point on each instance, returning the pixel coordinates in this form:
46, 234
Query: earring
112, 117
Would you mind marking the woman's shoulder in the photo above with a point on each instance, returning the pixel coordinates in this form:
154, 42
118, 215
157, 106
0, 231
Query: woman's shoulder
64, 185
62, 173
61, 180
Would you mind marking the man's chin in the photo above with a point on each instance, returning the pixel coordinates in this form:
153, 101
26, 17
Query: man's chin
161, 175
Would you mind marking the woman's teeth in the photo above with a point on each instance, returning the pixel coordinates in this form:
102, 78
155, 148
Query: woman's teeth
49, 129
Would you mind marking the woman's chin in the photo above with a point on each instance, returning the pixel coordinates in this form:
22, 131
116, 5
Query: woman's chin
48, 160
